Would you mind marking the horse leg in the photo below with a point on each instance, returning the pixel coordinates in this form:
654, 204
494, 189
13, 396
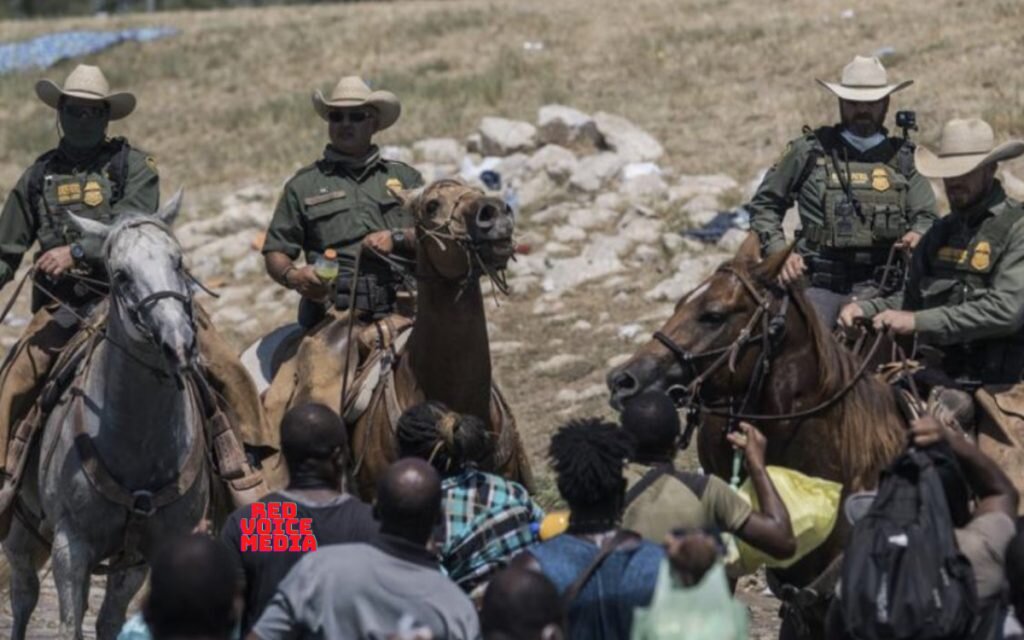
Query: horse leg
26, 555
121, 588
72, 559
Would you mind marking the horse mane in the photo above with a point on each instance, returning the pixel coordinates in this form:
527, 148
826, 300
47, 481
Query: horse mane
867, 420
132, 219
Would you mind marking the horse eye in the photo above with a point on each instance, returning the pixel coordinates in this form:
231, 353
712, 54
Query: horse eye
432, 207
712, 317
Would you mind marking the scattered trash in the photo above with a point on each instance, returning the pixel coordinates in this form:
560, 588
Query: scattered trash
713, 231
533, 45
47, 50
637, 169
847, 14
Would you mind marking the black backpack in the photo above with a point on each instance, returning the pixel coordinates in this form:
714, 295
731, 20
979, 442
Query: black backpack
903, 575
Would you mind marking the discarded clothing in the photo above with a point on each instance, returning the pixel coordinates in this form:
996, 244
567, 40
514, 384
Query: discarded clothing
47, 50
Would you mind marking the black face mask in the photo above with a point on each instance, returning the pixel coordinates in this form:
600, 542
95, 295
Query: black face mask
83, 134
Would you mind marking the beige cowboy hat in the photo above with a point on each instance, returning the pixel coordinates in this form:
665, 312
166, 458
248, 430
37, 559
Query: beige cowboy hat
351, 91
864, 80
89, 83
965, 145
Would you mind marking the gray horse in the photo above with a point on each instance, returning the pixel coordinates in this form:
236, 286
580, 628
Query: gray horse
132, 414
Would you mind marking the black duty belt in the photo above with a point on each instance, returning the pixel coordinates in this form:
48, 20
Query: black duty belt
374, 294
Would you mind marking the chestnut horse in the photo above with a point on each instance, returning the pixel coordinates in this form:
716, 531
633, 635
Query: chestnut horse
850, 427
462, 235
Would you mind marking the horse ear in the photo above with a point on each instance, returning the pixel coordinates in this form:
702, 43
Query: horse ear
750, 251
89, 227
169, 212
768, 269
409, 198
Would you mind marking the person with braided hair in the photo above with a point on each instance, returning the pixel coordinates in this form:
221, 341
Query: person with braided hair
602, 571
488, 519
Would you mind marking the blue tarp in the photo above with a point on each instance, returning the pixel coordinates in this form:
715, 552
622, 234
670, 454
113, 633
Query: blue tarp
714, 230
45, 51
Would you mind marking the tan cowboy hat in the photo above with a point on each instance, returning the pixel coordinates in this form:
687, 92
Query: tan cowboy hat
965, 145
351, 91
89, 83
864, 80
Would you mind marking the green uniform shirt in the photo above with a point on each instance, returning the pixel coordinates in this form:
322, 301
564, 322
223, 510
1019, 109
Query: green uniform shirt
966, 279
85, 188
898, 197
704, 501
333, 205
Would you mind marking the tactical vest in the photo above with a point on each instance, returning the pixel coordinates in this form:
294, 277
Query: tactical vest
878, 217
961, 270
90, 194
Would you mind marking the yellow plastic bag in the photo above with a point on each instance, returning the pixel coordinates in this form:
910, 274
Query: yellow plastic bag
813, 505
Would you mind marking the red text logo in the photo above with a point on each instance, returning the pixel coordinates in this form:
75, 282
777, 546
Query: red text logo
275, 526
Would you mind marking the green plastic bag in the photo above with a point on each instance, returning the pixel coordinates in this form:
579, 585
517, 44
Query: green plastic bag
813, 505
706, 611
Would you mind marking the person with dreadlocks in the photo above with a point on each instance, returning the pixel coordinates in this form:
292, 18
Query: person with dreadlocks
487, 519
602, 571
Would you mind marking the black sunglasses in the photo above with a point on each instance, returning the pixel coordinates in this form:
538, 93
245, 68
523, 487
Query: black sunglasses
83, 112
355, 117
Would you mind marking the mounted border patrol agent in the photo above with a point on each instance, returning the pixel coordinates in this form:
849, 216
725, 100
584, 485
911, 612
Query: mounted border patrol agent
965, 289
857, 193
343, 203
97, 178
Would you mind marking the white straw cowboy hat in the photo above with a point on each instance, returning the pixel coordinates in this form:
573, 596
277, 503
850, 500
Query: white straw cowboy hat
864, 80
350, 92
965, 145
89, 83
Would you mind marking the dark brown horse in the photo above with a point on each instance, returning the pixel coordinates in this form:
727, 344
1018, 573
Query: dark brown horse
716, 337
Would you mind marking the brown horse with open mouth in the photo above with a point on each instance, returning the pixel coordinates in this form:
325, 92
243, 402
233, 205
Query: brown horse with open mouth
740, 346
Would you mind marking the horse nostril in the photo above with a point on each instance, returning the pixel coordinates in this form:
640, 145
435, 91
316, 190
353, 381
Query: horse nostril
486, 216
623, 383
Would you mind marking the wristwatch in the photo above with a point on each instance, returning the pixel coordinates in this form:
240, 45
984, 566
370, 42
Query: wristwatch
77, 252
397, 237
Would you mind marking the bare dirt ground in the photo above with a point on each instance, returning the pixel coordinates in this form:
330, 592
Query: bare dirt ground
721, 83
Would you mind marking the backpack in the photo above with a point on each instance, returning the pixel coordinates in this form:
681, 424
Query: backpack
903, 575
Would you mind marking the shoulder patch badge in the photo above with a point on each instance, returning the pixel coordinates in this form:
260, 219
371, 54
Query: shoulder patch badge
880, 179
93, 193
151, 163
981, 256
394, 184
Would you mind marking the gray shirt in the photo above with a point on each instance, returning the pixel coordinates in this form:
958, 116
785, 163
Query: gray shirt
350, 591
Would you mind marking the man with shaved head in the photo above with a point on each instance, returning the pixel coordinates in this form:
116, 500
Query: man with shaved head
390, 585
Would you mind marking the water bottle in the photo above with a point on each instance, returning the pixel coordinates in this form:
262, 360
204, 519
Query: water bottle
326, 266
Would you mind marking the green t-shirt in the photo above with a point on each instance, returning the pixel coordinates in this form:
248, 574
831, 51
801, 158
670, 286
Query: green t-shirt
682, 500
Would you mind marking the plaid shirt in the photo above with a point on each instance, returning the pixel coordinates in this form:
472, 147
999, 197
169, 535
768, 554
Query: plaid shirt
488, 520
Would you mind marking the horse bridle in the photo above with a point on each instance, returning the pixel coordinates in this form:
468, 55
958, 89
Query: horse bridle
773, 331
137, 308
465, 240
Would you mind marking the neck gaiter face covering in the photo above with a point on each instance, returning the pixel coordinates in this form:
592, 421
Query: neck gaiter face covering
83, 134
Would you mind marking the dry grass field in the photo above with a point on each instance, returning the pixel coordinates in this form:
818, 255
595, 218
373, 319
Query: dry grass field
723, 84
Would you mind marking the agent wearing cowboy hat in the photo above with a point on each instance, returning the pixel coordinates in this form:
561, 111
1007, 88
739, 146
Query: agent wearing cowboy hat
344, 202
95, 177
857, 193
965, 289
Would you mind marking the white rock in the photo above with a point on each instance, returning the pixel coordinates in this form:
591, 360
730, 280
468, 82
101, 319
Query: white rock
629, 331
475, 143
618, 361
644, 188
537, 191
558, 364
690, 186
610, 200
505, 346
642, 230
555, 213
395, 152
587, 393
689, 273
582, 325
646, 254
511, 168
558, 249
251, 264
593, 172
439, 150
230, 316
592, 218
563, 125
558, 162
501, 137
673, 242
625, 138
569, 233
